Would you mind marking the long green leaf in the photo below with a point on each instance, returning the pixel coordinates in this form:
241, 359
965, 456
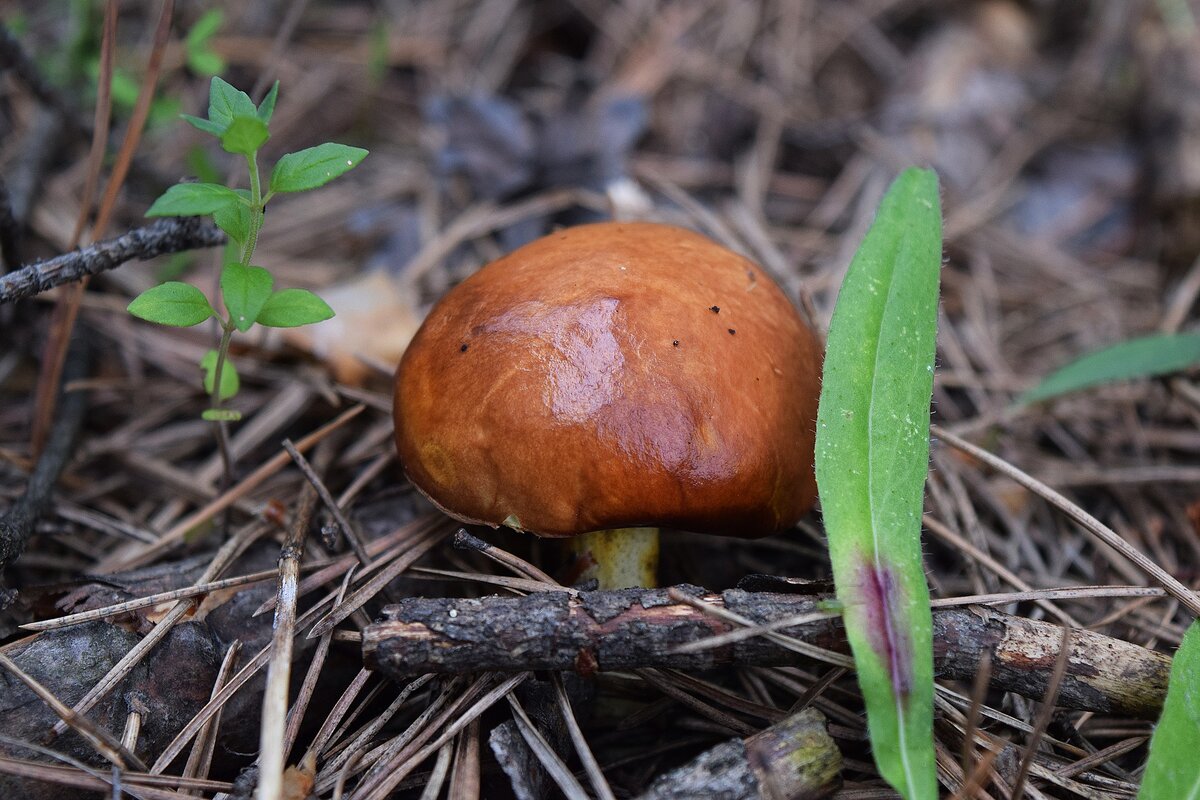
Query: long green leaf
872, 461
1173, 772
1145, 357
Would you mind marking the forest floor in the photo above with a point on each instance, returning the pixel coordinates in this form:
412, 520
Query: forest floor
1065, 137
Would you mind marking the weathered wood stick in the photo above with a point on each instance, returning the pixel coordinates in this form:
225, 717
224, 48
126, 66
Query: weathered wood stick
796, 757
634, 628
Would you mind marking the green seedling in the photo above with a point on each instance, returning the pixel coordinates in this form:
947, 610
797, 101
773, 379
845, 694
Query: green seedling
872, 458
248, 291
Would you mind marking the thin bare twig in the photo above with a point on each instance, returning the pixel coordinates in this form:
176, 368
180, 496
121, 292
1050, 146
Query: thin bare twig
170, 235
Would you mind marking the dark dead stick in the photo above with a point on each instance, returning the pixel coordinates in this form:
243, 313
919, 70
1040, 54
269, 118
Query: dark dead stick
635, 628
17, 525
171, 235
10, 231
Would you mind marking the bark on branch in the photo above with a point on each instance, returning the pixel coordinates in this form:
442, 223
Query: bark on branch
794, 758
170, 235
634, 628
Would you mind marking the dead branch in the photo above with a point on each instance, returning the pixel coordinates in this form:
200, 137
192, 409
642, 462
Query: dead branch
18, 523
172, 235
793, 758
636, 628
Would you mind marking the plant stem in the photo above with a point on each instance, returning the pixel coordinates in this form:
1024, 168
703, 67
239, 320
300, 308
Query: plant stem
220, 430
256, 209
227, 327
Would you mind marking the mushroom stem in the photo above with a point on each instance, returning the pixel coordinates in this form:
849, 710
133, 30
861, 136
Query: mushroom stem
619, 558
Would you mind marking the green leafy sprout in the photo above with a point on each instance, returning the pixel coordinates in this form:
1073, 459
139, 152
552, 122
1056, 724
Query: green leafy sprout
872, 459
248, 291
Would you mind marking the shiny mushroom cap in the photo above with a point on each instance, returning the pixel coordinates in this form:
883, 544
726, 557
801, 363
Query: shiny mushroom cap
614, 375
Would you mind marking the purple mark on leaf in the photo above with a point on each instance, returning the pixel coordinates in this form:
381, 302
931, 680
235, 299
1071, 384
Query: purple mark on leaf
881, 595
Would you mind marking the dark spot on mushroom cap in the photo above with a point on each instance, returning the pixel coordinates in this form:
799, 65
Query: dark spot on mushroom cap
715, 309
732, 331
674, 343
463, 349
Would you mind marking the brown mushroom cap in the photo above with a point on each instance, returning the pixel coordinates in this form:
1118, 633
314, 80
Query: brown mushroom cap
614, 375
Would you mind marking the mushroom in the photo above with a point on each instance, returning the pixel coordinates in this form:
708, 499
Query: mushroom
610, 379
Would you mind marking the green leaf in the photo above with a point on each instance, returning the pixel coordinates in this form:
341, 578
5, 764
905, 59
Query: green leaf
246, 290
201, 124
200, 164
1145, 357
200, 57
205, 62
163, 111
229, 377
204, 28
1173, 770
267, 107
234, 219
193, 200
172, 303
314, 167
226, 102
872, 459
221, 414
244, 135
290, 308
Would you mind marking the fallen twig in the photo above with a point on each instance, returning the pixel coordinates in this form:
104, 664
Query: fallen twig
171, 235
638, 628
17, 525
792, 758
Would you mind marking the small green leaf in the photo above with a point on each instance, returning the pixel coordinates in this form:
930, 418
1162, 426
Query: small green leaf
290, 308
200, 164
204, 28
1173, 770
200, 57
246, 290
244, 135
267, 107
1144, 357
205, 62
316, 166
172, 303
234, 219
872, 459
201, 124
229, 377
221, 414
163, 111
225, 102
193, 200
